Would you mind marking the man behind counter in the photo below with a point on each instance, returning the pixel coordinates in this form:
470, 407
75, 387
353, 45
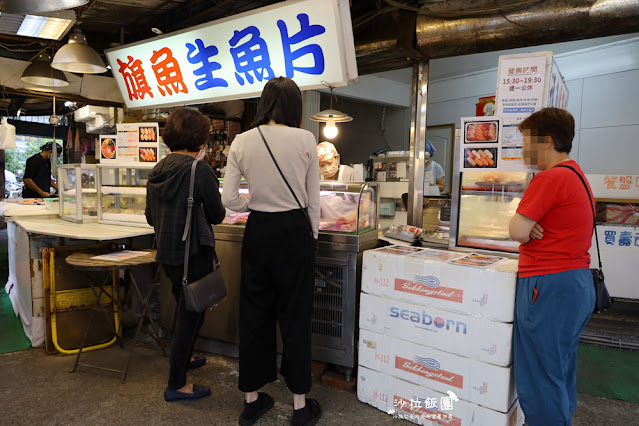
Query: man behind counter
330, 168
433, 171
37, 173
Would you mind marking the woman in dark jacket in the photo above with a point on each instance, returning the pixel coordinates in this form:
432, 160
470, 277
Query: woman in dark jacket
185, 134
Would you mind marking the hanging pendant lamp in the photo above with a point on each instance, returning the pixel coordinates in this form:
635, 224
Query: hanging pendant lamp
78, 57
40, 72
37, 6
330, 117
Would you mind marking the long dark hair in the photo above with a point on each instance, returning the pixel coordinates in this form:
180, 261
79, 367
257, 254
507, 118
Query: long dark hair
281, 101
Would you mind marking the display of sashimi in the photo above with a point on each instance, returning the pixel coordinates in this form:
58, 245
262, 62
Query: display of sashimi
481, 132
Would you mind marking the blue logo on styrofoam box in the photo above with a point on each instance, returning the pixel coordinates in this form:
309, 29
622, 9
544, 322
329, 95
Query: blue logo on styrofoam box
428, 281
429, 363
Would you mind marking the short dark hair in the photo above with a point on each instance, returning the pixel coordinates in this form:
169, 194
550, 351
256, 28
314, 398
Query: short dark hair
49, 147
281, 101
554, 122
186, 128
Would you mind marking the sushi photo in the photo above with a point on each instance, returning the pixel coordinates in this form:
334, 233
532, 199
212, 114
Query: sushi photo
148, 155
148, 134
480, 158
481, 131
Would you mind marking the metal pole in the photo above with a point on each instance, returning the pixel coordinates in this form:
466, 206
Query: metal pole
417, 143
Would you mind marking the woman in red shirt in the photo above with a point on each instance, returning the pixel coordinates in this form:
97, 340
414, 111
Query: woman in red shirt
555, 292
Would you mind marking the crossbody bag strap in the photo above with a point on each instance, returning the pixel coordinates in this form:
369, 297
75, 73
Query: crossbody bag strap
186, 236
283, 177
592, 207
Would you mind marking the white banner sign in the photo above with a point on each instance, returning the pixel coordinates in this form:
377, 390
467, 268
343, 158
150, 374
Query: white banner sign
520, 85
557, 91
614, 186
309, 41
619, 247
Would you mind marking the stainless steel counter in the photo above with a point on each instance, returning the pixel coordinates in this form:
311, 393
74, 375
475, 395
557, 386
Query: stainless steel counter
336, 303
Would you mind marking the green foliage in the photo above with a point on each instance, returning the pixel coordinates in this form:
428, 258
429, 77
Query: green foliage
16, 159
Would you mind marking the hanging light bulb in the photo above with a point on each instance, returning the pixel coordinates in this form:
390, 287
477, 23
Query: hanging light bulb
330, 130
330, 117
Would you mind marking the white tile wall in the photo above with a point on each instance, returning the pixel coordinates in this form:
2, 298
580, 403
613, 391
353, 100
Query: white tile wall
610, 150
611, 100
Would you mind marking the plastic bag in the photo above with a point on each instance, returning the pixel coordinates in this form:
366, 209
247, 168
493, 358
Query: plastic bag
7, 135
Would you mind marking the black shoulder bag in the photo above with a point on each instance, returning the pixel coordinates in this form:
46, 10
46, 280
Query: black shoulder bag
603, 300
289, 187
210, 289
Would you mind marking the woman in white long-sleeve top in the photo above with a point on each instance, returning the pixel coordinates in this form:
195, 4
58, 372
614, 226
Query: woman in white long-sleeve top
278, 259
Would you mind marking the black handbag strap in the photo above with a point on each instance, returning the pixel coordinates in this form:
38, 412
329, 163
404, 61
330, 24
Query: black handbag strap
186, 236
592, 207
284, 177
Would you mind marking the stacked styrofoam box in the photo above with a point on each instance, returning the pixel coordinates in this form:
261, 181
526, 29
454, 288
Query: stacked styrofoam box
429, 325
97, 119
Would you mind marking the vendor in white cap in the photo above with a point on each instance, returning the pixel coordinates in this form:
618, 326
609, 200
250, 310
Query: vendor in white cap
433, 172
329, 166
339, 210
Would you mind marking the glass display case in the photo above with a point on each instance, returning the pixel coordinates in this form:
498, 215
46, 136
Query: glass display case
345, 207
122, 194
348, 207
485, 202
77, 185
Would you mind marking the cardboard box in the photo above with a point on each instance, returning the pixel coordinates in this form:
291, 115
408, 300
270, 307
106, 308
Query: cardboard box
420, 277
628, 214
478, 338
425, 406
474, 381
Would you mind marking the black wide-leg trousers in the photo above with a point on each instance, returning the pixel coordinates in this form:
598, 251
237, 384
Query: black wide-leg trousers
278, 275
187, 324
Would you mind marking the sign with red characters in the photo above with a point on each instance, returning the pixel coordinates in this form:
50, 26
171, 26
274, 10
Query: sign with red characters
233, 58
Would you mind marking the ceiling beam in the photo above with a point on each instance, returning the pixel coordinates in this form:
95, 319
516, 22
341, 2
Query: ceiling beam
58, 97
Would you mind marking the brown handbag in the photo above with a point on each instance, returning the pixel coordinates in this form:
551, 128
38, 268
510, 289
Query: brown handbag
209, 290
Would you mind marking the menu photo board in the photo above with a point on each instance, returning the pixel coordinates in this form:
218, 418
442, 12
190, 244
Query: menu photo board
134, 143
491, 143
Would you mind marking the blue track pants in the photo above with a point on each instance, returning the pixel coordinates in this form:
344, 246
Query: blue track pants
546, 334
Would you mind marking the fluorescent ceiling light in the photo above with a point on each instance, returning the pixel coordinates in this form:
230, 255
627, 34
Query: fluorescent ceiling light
44, 27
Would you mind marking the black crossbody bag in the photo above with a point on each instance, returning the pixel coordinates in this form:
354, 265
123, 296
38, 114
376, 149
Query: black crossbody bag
603, 301
289, 188
209, 290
